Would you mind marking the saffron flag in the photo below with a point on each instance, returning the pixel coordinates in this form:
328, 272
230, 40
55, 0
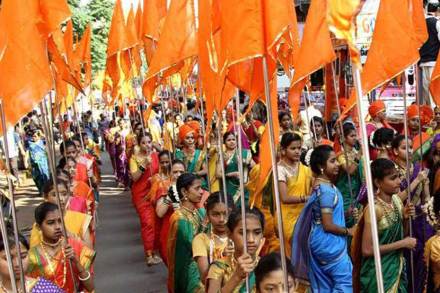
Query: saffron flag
395, 46
25, 75
68, 42
178, 40
340, 17
52, 14
3, 41
152, 17
434, 86
316, 51
83, 55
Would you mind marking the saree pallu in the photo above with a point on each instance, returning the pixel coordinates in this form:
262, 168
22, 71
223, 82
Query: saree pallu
142, 202
121, 162
183, 272
42, 285
422, 231
39, 164
223, 269
322, 259
53, 270
296, 186
233, 184
390, 229
212, 164
193, 164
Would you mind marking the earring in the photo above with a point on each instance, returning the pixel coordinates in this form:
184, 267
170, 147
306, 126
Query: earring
322, 171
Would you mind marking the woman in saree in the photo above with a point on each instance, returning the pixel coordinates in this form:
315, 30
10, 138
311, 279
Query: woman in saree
319, 243
50, 259
350, 177
229, 273
420, 194
231, 168
166, 203
294, 183
38, 159
33, 285
121, 157
109, 136
377, 111
391, 217
144, 164
185, 223
286, 123
193, 157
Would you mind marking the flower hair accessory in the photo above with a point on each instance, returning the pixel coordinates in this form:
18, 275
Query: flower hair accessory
431, 217
371, 139
308, 156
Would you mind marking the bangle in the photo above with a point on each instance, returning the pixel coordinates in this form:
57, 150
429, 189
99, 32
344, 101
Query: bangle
141, 168
86, 278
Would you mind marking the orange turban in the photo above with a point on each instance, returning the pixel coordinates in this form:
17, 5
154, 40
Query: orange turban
412, 111
426, 115
376, 107
187, 128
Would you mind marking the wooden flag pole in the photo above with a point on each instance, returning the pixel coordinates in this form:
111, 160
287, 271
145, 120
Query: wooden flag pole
240, 171
275, 171
369, 180
407, 173
14, 214
222, 158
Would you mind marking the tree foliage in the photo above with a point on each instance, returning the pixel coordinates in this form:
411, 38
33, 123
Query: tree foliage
98, 13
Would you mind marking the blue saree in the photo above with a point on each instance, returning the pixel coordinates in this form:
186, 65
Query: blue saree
322, 260
39, 164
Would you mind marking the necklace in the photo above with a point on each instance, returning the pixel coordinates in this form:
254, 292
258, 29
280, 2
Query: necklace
51, 266
390, 210
324, 180
293, 169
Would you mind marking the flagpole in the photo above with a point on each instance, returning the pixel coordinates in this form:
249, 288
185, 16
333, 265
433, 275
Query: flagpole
341, 128
369, 180
407, 174
204, 131
275, 171
240, 171
222, 159
51, 158
307, 105
14, 215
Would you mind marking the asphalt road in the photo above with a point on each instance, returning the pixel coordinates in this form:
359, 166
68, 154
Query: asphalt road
120, 266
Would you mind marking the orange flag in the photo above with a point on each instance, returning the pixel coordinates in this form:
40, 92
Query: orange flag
395, 46
132, 33
25, 76
62, 68
3, 41
340, 17
178, 40
434, 86
316, 51
138, 21
152, 16
118, 39
83, 54
330, 93
68, 42
53, 13
419, 22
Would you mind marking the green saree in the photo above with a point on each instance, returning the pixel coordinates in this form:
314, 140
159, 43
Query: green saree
183, 272
224, 269
390, 229
193, 163
232, 183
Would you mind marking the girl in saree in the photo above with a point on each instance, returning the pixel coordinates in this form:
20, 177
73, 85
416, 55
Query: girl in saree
377, 111
121, 157
231, 168
78, 222
210, 246
185, 223
420, 193
33, 285
166, 204
38, 159
286, 123
193, 157
50, 259
319, 243
269, 275
144, 164
229, 273
294, 183
109, 136
391, 216
350, 177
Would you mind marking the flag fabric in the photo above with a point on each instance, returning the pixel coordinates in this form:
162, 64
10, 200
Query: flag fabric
340, 17
25, 75
330, 93
434, 86
138, 19
68, 42
316, 51
395, 46
83, 55
178, 40
151, 25
3, 41
419, 21
53, 13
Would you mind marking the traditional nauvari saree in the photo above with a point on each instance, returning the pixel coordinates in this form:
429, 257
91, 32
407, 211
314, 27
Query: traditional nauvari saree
222, 270
298, 185
193, 162
183, 273
232, 183
390, 229
56, 269
432, 261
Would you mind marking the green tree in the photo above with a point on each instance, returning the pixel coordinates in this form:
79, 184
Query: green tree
99, 14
